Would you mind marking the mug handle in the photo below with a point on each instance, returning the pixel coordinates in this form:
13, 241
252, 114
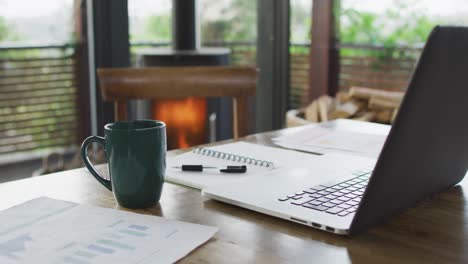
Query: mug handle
87, 162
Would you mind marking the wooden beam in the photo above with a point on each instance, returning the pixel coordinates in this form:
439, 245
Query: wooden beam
177, 82
323, 52
81, 71
240, 116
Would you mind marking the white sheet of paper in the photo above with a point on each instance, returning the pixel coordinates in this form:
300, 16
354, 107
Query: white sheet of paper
348, 141
339, 136
46, 230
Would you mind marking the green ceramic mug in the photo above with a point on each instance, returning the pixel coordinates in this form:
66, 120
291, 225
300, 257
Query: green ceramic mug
136, 156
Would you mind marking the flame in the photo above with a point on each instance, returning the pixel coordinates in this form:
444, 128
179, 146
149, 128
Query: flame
185, 120
181, 140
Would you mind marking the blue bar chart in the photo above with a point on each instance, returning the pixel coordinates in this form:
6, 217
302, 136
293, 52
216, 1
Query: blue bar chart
55, 231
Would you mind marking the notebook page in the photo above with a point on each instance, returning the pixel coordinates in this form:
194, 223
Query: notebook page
210, 177
280, 157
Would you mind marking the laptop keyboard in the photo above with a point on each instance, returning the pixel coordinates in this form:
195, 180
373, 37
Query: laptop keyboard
339, 198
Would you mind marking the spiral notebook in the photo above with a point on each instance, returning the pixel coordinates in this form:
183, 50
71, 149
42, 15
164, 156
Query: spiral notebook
258, 159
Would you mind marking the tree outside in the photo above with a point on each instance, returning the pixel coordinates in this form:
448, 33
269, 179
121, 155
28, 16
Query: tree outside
158, 27
233, 20
399, 24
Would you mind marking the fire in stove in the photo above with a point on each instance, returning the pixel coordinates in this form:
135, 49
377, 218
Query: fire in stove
186, 121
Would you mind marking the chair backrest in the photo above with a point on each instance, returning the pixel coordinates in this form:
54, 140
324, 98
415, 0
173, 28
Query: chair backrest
122, 84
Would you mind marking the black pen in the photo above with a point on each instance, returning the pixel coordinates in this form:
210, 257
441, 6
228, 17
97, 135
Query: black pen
228, 169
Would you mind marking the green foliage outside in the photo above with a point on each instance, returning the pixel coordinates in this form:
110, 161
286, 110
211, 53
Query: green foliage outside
237, 23
409, 26
404, 23
159, 27
399, 26
7, 34
299, 21
3, 29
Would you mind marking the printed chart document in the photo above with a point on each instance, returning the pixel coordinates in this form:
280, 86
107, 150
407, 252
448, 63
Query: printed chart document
45, 230
339, 136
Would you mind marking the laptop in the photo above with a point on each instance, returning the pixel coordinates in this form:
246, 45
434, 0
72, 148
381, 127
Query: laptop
426, 152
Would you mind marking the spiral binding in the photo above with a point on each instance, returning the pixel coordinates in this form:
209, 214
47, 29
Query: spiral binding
233, 157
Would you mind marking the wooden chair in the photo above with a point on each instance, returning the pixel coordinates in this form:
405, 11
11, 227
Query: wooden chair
122, 84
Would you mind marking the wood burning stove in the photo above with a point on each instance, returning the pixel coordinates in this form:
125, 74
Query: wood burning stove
188, 119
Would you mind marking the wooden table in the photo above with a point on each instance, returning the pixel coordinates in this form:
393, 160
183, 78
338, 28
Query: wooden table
434, 231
